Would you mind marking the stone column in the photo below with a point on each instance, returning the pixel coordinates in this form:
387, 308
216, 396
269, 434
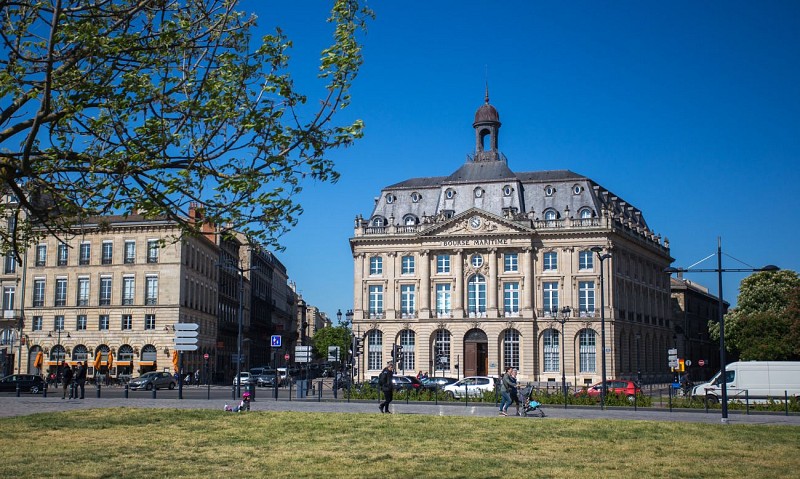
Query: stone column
358, 285
458, 289
425, 285
390, 296
528, 290
491, 297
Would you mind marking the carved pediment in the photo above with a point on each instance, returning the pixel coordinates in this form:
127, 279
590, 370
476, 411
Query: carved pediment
476, 222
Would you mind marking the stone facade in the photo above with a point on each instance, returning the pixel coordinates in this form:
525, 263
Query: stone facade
473, 272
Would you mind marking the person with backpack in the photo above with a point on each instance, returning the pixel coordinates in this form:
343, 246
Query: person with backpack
67, 381
385, 384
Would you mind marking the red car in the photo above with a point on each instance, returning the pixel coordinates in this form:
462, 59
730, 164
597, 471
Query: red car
613, 386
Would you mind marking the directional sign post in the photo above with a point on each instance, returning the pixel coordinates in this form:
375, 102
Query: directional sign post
185, 336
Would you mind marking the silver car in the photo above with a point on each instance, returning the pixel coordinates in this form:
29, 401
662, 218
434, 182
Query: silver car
153, 379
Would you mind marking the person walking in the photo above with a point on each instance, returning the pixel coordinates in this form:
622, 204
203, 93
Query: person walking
513, 392
67, 380
80, 379
386, 385
505, 392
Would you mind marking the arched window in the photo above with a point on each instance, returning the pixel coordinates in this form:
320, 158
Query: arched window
375, 350
550, 217
585, 213
80, 353
57, 353
410, 220
511, 357
407, 341
378, 221
476, 296
551, 350
441, 350
588, 351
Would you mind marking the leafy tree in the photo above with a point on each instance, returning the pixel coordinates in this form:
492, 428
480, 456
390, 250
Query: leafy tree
331, 336
150, 106
760, 325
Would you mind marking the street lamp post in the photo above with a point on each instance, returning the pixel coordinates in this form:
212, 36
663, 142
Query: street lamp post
638, 367
720, 314
241, 272
602, 257
565, 312
61, 356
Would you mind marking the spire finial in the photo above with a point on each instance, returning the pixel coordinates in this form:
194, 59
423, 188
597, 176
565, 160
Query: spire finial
487, 93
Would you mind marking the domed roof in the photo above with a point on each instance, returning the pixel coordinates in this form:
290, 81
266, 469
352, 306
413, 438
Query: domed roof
486, 113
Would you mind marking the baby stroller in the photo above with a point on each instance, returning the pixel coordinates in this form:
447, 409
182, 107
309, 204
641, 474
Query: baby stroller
529, 406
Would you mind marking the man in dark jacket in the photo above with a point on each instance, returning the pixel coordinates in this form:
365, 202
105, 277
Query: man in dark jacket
80, 378
67, 378
386, 385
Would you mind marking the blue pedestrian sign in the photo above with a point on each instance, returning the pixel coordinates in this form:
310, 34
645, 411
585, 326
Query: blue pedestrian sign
276, 341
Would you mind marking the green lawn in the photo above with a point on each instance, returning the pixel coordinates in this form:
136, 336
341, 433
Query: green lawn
125, 442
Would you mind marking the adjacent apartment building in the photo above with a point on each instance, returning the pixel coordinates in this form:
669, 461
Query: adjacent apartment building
487, 268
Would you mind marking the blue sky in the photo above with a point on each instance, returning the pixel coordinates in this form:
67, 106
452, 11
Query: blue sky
688, 110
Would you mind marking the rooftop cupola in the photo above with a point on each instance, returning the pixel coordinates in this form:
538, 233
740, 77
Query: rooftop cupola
487, 127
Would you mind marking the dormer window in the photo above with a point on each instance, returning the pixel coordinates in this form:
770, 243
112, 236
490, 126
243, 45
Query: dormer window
585, 213
379, 221
507, 190
549, 190
478, 192
577, 189
390, 198
410, 220
415, 197
449, 193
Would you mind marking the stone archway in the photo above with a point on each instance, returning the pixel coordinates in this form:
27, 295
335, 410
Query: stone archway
476, 353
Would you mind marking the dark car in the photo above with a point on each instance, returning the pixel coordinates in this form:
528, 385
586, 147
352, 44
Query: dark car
437, 383
29, 383
415, 383
399, 382
153, 379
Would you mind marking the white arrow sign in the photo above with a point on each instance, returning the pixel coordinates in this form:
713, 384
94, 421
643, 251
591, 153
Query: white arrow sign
186, 334
184, 340
186, 326
185, 347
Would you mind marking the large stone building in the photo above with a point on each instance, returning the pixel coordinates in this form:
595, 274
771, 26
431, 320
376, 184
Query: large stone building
111, 293
473, 272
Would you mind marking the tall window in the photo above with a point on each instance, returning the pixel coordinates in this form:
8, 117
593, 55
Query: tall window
586, 260
443, 300
408, 300
441, 350
63, 254
511, 349
80, 324
442, 264
103, 323
511, 299
149, 321
407, 340
550, 262
588, 351
41, 255
10, 263
38, 293
586, 298
8, 297
151, 290
61, 292
108, 252
551, 350
105, 291
85, 253
127, 322
375, 265
476, 295
550, 298
374, 349
407, 265
510, 263
152, 251
58, 323
128, 290
130, 252
375, 300
83, 292
37, 323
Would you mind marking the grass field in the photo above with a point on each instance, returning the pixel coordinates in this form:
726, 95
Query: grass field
170, 443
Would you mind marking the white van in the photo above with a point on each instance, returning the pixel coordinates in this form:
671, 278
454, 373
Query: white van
754, 381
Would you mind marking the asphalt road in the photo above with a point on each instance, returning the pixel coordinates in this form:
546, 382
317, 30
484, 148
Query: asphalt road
197, 398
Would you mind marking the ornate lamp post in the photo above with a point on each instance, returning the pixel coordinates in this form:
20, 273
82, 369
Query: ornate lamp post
721, 316
602, 257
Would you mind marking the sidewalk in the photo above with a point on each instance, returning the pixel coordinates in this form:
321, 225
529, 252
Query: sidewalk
25, 405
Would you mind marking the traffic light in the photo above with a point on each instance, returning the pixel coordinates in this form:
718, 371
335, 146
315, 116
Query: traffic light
397, 352
359, 346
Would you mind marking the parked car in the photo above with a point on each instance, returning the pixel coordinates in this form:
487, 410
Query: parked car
415, 383
153, 379
613, 386
264, 377
244, 379
398, 383
28, 383
437, 383
472, 385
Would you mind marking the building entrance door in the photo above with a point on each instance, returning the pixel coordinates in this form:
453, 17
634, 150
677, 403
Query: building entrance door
476, 353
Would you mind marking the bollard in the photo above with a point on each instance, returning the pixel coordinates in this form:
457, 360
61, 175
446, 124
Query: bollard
233, 392
154, 391
335, 389
44, 393
319, 399
126, 390
18, 389
252, 388
99, 386
72, 390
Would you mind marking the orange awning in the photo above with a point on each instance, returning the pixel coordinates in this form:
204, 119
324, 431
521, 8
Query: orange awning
124, 363
97, 360
110, 359
175, 360
37, 363
147, 363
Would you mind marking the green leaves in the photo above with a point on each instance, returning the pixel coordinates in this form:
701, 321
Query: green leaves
164, 104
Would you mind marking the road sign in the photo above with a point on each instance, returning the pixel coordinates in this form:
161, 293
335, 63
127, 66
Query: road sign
333, 353
302, 354
673, 363
688, 362
205, 356
701, 363
672, 352
184, 340
185, 347
186, 334
186, 326
286, 356
275, 341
